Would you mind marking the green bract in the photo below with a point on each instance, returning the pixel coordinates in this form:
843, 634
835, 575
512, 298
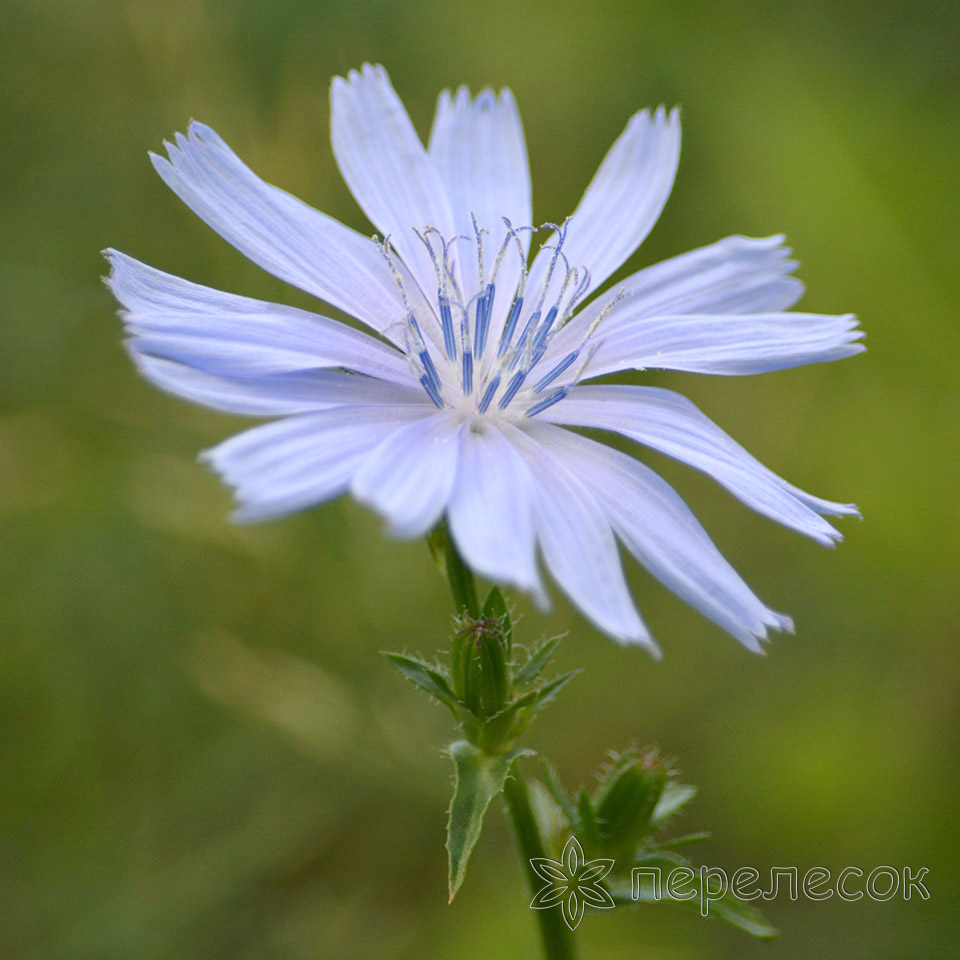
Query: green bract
493, 693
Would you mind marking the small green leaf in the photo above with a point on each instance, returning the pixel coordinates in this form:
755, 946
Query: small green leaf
684, 841
560, 795
744, 917
427, 677
504, 726
537, 662
675, 796
515, 717
479, 778
548, 692
588, 822
551, 820
727, 908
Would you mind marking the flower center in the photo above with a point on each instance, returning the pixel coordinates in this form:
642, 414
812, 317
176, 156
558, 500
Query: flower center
482, 354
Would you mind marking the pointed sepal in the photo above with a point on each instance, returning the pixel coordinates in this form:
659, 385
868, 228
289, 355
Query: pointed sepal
428, 677
675, 796
495, 608
537, 663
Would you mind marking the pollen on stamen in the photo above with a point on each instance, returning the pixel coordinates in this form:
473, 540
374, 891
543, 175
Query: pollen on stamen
562, 366
517, 305
443, 274
418, 356
514, 358
525, 340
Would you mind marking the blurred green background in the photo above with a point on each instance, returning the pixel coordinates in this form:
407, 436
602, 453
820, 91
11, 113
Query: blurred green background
203, 755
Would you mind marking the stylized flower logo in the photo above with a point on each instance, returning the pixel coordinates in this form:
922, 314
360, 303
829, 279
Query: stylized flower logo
572, 882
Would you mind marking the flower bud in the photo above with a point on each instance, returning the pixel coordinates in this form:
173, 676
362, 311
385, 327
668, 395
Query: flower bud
480, 668
625, 800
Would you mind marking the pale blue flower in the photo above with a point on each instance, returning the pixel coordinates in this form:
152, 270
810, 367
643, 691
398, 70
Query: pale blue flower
456, 403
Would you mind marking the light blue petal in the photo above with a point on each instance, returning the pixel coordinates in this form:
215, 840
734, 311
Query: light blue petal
231, 336
277, 394
300, 461
479, 151
578, 545
622, 202
386, 167
670, 423
662, 533
279, 232
408, 478
733, 275
491, 509
726, 345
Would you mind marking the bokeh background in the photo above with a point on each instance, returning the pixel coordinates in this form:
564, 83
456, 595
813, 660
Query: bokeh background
202, 754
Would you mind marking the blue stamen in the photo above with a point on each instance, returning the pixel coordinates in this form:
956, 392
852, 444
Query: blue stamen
508, 328
484, 310
488, 394
548, 402
430, 369
515, 384
564, 364
536, 355
446, 321
467, 373
431, 391
544, 330
525, 337
531, 325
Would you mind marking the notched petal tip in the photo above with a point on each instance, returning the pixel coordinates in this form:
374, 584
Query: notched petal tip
368, 72
200, 131
485, 100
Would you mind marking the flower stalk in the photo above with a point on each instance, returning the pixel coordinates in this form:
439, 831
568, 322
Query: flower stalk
584, 848
459, 576
556, 939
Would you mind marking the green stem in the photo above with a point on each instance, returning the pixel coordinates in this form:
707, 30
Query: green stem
556, 937
459, 576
